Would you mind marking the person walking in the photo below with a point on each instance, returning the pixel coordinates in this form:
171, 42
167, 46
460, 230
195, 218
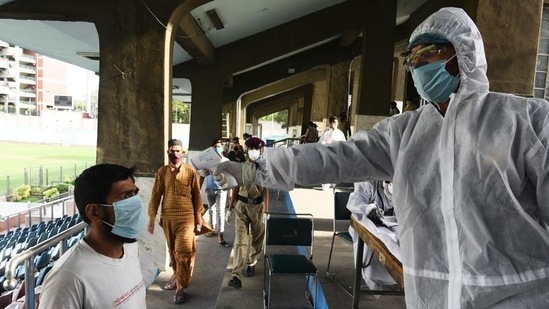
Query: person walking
176, 186
217, 201
250, 202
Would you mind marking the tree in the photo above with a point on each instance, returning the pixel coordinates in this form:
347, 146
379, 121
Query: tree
181, 111
278, 117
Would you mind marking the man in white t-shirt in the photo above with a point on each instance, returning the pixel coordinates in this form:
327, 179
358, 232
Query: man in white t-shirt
102, 270
332, 133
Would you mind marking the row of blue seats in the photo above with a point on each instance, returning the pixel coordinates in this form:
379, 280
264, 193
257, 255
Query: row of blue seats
24, 239
43, 261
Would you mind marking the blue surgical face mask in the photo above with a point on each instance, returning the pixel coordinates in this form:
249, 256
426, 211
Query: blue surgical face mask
129, 217
434, 83
218, 150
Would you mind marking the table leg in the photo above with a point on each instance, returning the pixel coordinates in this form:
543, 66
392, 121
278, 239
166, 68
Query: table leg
358, 272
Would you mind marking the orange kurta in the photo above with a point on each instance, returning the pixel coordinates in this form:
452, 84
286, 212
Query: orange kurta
179, 192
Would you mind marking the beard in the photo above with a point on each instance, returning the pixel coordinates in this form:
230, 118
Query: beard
108, 231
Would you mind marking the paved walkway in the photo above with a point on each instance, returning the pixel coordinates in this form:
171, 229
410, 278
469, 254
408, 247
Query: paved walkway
209, 288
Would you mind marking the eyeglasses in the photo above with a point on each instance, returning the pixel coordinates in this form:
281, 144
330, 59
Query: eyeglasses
420, 56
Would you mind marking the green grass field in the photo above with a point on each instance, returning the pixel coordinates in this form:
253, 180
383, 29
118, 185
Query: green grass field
59, 161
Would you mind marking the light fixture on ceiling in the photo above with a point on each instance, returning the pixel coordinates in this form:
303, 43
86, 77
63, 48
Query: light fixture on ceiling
218, 24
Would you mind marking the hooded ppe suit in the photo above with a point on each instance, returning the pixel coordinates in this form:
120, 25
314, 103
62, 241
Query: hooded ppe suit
471, 189
366, 195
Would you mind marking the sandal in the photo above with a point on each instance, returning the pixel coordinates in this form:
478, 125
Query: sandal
179, 299
224, 243
170, 285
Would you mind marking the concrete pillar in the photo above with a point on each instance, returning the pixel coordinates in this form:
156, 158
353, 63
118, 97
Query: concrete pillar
376, 70
206, 109
510, 30
338, 88
133, 97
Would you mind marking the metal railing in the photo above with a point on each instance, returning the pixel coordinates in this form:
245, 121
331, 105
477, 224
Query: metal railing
27, 257
287, 142
58, 206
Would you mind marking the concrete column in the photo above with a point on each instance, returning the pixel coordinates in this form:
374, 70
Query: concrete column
376, 70
338, 88
510, 30
133, 96
206, 109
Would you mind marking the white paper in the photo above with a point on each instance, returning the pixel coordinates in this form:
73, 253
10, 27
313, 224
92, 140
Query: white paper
206, 159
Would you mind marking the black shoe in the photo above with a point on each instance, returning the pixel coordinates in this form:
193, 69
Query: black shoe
235, 283
250, 271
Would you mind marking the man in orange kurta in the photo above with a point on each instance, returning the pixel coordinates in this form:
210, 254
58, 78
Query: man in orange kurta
176, 186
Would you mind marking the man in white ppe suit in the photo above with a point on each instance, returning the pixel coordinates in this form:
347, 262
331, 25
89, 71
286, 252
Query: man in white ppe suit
371, 204
471, 175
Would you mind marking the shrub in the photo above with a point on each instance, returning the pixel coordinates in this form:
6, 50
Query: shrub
21, 192
62, 187
68, 179
36, 191
49, 193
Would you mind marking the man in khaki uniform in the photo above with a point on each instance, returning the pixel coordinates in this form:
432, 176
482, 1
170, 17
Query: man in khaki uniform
250, 202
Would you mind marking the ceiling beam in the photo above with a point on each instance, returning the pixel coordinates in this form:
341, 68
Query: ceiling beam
284, 39
328, 53
193, 40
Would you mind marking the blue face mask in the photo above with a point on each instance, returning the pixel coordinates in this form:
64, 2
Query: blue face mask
129, 217
434, 83
218, 150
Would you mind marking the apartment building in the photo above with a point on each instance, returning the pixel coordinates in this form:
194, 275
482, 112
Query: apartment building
30, 82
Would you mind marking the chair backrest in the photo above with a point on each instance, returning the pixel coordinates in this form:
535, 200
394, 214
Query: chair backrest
42, 237
340, 205
42, 274
32, 242
289, 230
53, 232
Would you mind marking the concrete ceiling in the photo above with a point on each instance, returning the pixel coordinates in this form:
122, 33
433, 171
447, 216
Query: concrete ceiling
75, 42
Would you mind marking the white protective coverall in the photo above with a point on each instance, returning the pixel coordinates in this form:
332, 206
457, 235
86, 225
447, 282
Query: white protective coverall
366, 195
471, 188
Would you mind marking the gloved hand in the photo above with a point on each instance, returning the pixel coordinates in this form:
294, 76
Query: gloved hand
374, 213
229, 216
224, 173
203, 172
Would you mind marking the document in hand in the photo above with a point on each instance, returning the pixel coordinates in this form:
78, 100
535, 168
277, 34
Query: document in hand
209, 158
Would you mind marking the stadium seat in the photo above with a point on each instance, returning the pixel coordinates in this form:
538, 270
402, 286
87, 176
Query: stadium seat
20, 272
63, 226
42, 260
42, 237
53, 232
32, 242
42, 275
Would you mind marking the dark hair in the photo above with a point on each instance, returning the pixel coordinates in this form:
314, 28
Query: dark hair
216, 141
95, 184
333, 119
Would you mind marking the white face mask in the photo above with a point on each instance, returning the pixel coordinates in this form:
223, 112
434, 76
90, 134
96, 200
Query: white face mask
253, 154
390, 188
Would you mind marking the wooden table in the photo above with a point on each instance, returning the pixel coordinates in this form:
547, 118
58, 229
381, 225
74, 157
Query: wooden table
384, 256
